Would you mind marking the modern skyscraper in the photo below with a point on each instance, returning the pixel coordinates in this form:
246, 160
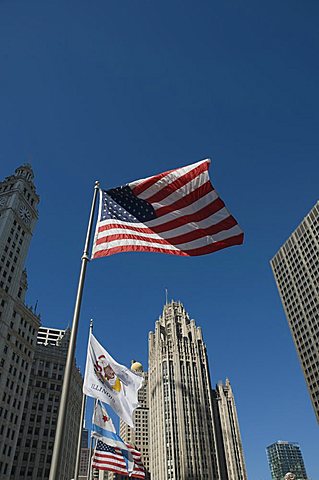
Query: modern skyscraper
296, 270
85, 438
184, 443
229, 444
38, 427
139, 437
284, 457
18, 322
84, 454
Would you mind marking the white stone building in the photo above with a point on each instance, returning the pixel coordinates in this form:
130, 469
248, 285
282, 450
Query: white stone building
229, 444
38, 427
186, 441
18, 323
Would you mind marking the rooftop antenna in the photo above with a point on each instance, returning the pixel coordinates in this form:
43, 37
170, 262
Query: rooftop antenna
166, 294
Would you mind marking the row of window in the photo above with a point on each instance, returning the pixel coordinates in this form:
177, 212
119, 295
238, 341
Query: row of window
9, 186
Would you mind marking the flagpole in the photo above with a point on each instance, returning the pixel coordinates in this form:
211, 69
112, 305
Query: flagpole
71, 349
78, 452
90, 469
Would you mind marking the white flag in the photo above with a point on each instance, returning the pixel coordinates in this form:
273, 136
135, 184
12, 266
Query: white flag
111, 382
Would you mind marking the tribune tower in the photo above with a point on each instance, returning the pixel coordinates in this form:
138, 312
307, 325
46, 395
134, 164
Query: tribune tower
193, 430
182, 434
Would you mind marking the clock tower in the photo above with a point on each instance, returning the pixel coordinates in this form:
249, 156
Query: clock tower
18, 216
18, 323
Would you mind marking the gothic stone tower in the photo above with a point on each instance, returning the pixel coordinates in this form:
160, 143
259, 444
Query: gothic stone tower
230, 449
182, 433
18, 323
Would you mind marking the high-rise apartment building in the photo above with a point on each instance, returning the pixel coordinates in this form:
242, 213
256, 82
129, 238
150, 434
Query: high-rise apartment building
229, 444
296, 270
186, 441
139, 437
18, 322
37, 432
285, 457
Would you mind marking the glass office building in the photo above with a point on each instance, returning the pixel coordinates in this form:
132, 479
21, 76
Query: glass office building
284, 457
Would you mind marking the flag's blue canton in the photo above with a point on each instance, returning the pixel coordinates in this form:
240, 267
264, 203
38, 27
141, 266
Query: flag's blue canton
102, 447
121, 204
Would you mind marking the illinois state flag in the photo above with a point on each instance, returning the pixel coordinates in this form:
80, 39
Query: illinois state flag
111, 382
177, 212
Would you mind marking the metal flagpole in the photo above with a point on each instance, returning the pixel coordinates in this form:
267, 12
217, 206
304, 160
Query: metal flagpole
90, 468
71, 350
78, 452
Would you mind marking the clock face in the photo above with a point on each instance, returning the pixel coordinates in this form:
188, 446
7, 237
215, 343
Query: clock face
25, 214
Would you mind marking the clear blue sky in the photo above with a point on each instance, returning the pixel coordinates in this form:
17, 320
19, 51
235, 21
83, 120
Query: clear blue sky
119, 90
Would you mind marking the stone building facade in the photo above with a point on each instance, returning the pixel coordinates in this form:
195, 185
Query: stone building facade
38, 427
18, 322
229, 444
184, 440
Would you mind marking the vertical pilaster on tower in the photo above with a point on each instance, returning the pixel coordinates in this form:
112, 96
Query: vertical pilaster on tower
194, 431
230, 451
182, 435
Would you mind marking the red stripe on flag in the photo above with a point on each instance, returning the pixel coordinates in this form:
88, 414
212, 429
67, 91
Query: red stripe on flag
148, 182
119, 224
205, 212
195, 234
110, 469
213, 247
134, 248
178, 183
110, 461
131, 236
186, 200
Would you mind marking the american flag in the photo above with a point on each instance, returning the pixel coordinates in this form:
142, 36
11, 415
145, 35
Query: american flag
138, 471
177, 212
110, 458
